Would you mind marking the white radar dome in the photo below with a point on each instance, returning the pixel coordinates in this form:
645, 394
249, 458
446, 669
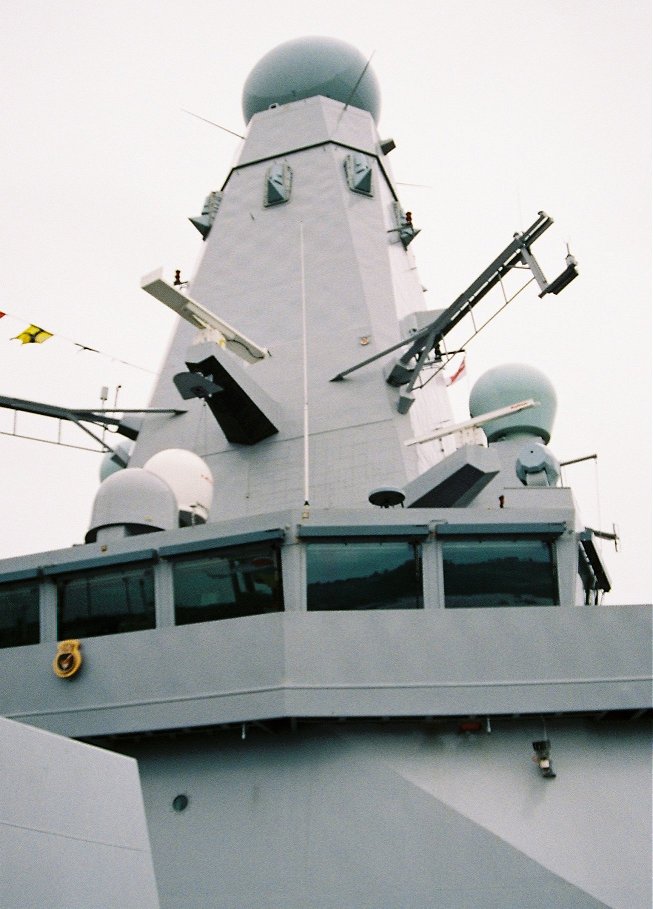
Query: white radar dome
110, 463
509, 384
306, 67
130, 502
190, 479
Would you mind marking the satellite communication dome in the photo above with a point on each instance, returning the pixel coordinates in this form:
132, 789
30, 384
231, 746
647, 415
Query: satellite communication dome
306, 67
110, 463
136, 501
190, 479
509, 384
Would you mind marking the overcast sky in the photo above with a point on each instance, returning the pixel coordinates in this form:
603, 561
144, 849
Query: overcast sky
498, 110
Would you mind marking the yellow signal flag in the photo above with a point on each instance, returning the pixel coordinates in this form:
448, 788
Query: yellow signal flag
33, 335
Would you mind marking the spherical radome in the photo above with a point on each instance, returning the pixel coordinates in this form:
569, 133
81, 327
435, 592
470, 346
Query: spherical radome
306, 67
189, 477
110, 464
133, 498
509, 384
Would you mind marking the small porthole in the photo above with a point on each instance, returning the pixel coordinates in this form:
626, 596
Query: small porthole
180, 802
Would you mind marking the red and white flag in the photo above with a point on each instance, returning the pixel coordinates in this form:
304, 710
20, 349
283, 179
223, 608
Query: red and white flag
449, 380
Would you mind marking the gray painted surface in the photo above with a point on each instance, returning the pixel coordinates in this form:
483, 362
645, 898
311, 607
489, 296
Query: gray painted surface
72, 826
305, 67
455, 481
396, 663
358, 279
401, 816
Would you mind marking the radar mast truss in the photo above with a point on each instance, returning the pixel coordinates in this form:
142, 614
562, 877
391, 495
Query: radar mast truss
428, 339
104, 417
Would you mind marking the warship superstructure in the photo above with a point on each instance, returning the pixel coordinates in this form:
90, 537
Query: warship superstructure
358, 650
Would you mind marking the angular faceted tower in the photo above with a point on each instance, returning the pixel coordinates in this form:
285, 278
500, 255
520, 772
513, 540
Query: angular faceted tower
308, 256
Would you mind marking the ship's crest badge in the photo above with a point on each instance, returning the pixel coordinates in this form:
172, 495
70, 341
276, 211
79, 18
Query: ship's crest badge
68, 659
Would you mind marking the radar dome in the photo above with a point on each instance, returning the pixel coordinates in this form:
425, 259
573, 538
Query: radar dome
306, 67
190, 479
111, 462
130, 502
509, 384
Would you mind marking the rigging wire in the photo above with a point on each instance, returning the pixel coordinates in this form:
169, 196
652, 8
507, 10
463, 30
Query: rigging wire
213, 123
597, 492
82, 347
479, 330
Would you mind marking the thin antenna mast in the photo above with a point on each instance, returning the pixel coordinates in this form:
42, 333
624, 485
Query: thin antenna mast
213, 123
305, 362
353, 91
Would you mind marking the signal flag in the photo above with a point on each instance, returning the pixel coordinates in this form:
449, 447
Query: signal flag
33, 335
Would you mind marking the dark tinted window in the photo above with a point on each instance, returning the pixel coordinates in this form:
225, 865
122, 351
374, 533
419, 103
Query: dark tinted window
108, 601
374, 575
227, 584
19, 614
485, 572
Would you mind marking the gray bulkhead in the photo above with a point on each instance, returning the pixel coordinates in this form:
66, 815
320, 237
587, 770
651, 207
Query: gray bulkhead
380, 813
256, 794
72, 825
358, 280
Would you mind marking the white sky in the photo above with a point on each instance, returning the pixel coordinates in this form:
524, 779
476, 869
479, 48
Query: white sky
500, 109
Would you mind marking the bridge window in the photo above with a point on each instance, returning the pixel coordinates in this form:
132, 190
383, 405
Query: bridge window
227, 584
19, 614
374, 575
107, 601
492, 572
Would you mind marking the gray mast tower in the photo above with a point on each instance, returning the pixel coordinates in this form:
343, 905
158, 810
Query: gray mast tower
308, 255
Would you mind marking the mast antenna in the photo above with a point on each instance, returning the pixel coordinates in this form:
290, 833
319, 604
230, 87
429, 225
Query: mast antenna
353, 91
213, 123
305, 362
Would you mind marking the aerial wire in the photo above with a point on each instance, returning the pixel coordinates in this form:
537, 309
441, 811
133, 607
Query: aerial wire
598, 500
82, 347
463, 347
213, 123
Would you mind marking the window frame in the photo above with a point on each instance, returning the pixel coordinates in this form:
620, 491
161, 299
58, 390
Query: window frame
313, 541
246, 545
60, 578
30, 580
507, 536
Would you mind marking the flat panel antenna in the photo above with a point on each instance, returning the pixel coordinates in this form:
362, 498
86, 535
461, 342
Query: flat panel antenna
202, 318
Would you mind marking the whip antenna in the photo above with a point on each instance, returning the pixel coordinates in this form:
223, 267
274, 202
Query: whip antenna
353, 91
213, 123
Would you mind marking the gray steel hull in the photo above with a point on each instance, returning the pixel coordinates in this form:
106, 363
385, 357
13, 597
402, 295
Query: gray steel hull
401, 815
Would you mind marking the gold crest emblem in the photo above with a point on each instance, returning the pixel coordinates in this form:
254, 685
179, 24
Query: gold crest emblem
68, 659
